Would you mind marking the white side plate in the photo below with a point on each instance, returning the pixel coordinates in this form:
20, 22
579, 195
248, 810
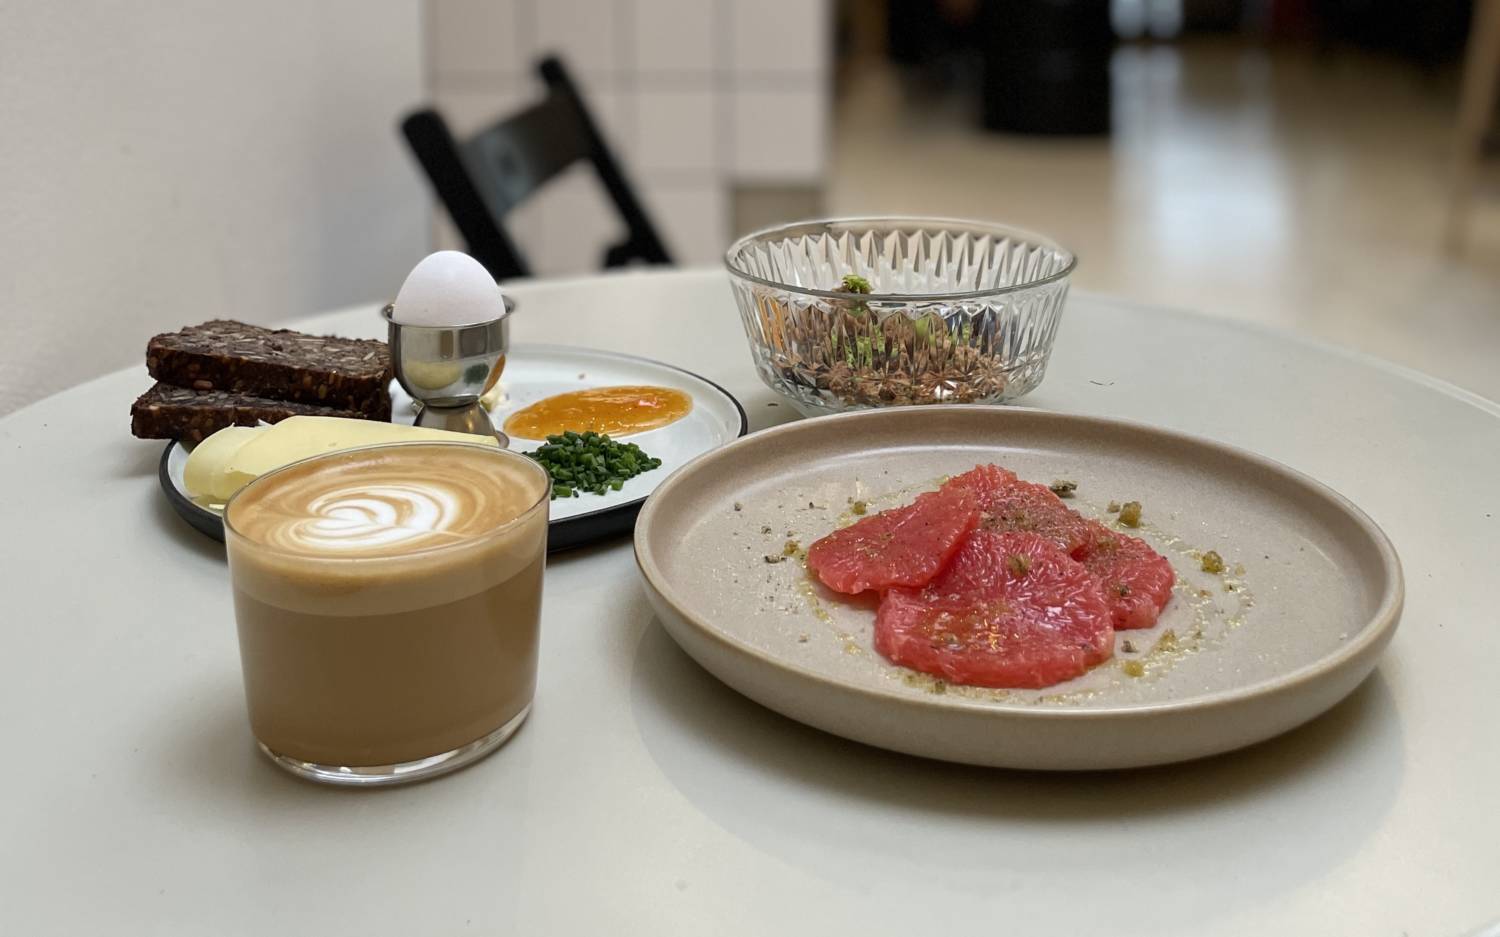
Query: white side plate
534, 372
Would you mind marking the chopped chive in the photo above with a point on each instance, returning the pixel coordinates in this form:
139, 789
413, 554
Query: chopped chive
590, 462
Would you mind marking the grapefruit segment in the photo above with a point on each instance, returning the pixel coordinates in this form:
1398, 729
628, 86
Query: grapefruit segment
905, 546
1010, 610
1008, 504
1135, 580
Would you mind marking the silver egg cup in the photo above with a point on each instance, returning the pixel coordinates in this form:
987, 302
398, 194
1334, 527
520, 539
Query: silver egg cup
447, 369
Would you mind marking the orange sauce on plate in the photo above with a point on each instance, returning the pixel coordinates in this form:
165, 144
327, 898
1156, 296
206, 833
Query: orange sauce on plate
617, 411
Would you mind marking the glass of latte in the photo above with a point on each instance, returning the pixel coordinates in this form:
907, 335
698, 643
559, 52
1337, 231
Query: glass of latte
388, 601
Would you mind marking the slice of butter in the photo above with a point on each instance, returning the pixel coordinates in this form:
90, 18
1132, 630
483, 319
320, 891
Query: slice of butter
203, 475
302, 437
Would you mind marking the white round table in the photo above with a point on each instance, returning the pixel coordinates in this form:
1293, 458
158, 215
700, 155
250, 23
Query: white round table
643, 797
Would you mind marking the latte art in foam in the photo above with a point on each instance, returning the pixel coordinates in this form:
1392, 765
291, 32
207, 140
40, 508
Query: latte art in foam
374, 516
375, 507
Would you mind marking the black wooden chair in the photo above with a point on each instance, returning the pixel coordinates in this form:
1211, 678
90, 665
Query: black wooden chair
481, 179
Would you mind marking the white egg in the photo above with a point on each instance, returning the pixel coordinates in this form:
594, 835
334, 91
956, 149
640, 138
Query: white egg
448, 288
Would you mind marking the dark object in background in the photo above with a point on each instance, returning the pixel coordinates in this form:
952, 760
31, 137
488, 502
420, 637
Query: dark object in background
1223, 16
922, 32
1046, 65
481, 179
1428, 32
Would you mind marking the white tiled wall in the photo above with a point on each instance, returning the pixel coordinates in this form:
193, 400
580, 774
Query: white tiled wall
475, 37
676, 36
693, 95
767, 137
676, 132
768, 38
583, 32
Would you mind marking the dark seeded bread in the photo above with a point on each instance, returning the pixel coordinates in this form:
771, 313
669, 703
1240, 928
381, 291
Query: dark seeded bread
167, 412
281, 364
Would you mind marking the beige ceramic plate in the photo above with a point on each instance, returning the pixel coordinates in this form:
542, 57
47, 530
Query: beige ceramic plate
1311, 595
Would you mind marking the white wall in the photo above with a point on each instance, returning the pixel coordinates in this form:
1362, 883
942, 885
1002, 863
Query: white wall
695, 96
163, 163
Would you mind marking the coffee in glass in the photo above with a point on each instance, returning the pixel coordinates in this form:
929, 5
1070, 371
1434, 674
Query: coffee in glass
388, 600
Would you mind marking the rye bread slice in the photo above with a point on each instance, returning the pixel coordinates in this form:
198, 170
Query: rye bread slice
279, 364
167, 412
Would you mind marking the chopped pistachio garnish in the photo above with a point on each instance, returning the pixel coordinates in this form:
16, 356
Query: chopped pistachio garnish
1133, 668
1063, 488
853, 283
1213, 562
1018, 563
859, 507
939, 687
791, 548
1130, 514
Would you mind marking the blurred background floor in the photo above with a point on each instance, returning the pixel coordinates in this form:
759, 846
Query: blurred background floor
1280, 186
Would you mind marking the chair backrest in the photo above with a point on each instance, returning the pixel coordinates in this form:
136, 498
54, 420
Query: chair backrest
481, 179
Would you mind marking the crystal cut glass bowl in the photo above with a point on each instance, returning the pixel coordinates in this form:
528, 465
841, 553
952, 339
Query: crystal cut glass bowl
872, 312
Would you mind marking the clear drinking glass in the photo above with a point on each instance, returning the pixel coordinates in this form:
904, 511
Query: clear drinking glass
388, 602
